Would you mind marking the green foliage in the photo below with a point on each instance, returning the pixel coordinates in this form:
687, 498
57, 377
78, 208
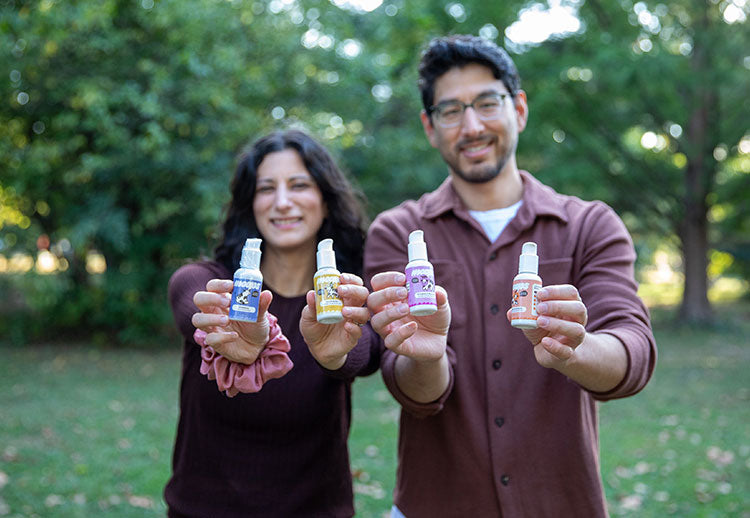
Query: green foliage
120, 122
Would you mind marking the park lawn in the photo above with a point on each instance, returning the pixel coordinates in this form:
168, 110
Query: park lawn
87, 431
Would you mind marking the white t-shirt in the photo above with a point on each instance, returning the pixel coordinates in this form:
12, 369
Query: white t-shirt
494, 221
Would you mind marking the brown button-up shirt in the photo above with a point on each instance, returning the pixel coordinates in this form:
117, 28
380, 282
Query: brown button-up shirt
509, 437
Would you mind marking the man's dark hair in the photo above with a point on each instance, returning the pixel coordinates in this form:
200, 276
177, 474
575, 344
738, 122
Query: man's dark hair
345, 221
445, 53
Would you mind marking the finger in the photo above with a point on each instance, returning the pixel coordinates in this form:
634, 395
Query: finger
308, 312
381, 320
354, 330
350, 278
359, 315
205, 321
379, 300
398, 336
220, 285
441, 296
572, 333
558, 292
384, 279
219, 338
557, 349
573, 310
206, 300
352, 294
264, 300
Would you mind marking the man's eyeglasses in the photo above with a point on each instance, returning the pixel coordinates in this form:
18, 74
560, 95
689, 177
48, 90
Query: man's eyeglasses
449, 114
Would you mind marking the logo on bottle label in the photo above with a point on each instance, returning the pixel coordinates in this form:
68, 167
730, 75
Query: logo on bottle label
326, 294
420, 285
523, 304
245, 300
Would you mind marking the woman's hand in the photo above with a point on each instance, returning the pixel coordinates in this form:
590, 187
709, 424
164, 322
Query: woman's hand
330, 343
236, 341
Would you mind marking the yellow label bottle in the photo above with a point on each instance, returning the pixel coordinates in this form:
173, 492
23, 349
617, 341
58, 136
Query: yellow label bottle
328, 304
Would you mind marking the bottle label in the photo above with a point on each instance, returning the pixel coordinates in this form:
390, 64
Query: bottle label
523, 305
245, 300
326, 295
420, 285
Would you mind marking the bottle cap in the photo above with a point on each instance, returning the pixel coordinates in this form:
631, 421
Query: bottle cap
326, 256
251, 254
417, 246
529, 261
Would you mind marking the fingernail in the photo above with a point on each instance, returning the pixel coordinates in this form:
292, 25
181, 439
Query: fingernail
399, 278
542, 293
401, 292
224, 320
542, 308
542, 321
403, 309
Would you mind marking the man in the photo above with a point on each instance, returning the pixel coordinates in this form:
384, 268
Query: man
497, 421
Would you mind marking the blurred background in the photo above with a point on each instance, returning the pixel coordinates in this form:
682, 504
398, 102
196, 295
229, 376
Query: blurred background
120, 122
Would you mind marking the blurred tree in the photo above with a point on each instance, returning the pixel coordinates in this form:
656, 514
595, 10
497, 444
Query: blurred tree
647, 108
120, 120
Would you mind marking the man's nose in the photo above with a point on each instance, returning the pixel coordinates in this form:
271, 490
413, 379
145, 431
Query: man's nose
471, 124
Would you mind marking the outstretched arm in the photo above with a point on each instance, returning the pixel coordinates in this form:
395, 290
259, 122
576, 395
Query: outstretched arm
422, 369
236, 341
596, 361
330, 344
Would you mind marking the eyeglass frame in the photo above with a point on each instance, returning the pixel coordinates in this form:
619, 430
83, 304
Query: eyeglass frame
436, 108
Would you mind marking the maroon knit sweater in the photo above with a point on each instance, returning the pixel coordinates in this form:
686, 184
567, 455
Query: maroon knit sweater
279, 452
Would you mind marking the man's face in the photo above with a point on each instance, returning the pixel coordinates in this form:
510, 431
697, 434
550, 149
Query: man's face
477, 149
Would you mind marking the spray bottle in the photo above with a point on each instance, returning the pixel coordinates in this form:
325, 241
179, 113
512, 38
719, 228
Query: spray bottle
420, 277
328, 304
526, 285
248, 282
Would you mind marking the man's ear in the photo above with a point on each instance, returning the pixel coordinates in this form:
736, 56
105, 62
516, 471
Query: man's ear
522, 110
429, 129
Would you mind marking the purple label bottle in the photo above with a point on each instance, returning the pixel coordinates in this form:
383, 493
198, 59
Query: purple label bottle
420, 278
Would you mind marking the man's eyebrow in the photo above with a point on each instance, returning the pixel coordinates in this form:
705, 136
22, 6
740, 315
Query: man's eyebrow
480, 94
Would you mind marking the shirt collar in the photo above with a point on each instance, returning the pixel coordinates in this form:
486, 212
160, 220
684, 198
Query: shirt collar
538, 200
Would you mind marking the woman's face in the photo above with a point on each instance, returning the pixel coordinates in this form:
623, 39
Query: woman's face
288, 205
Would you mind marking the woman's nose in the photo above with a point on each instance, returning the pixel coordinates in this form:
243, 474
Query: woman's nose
282, 200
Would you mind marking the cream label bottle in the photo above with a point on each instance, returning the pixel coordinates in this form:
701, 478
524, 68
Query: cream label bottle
420, 277
526, 285
248, 283
328, 304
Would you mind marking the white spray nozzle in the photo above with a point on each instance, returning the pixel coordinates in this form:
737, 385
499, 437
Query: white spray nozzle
529, 261
326, 257
417, 247
251, 254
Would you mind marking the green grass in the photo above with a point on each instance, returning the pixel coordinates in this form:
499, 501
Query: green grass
88, 432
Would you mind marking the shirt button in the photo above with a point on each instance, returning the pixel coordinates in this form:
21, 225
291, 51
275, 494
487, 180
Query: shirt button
504, 480
493, 256
497, 364
494, 309
499, 421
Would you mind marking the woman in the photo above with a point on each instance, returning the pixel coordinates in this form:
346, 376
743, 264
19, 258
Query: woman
278, 448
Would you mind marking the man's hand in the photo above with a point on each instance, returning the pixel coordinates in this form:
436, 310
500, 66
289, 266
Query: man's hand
561, 325
420, 338
596, 361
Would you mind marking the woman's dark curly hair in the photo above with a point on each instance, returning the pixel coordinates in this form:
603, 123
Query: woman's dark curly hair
345, 221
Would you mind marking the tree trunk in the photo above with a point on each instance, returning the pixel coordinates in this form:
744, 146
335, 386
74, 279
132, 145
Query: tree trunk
699, 180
